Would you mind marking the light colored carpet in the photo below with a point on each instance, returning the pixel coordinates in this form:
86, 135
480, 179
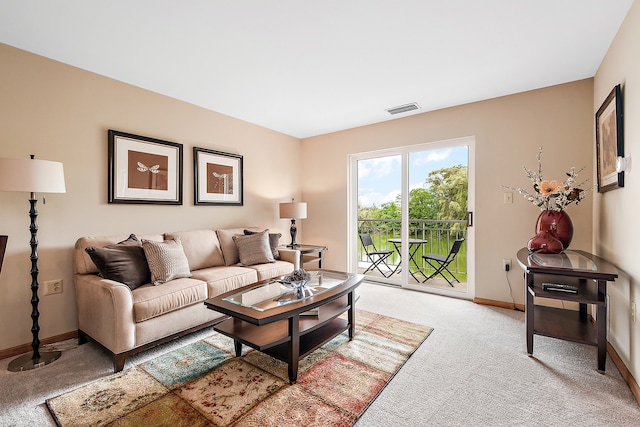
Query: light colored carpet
474, 371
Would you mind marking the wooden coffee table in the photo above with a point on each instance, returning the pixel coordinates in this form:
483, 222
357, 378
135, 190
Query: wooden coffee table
275, 320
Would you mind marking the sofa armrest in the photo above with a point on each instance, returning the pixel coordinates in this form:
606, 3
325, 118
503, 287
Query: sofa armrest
290, 255
105, 311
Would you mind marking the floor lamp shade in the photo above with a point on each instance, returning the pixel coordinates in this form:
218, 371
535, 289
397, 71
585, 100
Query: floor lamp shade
292, 211
33, 176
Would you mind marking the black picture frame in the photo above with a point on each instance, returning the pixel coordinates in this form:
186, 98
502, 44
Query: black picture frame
218, 178
144, 170
3, 247
610, 141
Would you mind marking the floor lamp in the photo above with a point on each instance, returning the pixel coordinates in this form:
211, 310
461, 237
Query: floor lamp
292, 211
33, 176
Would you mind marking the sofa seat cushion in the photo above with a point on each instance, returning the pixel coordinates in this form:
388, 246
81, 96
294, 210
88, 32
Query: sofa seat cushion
272, 270
151, 301
223, 279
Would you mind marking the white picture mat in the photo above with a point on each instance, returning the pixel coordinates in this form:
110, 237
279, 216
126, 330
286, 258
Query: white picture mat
208, 158
608, 117
122, 146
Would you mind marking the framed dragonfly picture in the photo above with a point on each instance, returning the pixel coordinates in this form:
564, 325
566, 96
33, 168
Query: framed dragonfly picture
610, 141
217, 177
144, 170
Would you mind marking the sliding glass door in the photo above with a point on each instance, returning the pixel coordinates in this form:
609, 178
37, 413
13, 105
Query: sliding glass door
379, 216
409, 216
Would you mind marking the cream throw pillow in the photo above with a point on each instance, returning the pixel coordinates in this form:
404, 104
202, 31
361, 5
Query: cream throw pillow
254, 248
166, 260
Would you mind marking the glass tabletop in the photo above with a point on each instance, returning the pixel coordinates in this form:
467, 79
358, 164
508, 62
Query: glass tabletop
274, 294
569, 259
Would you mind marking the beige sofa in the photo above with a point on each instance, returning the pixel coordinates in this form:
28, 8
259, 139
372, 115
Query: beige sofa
127, 319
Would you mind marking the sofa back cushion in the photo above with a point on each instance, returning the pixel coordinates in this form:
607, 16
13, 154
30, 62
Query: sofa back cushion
201, 247
229, 248
82, 263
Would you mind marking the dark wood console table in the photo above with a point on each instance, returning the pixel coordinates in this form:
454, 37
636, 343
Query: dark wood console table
589, 274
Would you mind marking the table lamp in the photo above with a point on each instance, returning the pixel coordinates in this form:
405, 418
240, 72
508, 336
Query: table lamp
292, 211
33, 176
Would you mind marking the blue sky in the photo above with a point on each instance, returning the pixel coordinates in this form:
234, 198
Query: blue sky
379, 179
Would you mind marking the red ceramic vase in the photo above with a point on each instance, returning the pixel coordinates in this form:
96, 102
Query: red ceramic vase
559, 223
545, 242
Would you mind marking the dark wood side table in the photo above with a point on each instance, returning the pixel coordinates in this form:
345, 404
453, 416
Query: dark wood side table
589, 274
310, 254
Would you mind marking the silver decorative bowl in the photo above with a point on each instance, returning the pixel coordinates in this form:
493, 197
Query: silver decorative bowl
298, 285
296, 280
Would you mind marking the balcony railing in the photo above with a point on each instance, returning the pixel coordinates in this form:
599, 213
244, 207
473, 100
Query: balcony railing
439, 234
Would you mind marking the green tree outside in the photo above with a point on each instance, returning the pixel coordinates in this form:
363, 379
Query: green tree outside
444, 196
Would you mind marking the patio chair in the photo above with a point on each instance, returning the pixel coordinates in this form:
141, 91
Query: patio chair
441, 263
376, 257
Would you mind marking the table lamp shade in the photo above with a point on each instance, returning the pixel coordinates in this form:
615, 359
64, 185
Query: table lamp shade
293, 210
31, 175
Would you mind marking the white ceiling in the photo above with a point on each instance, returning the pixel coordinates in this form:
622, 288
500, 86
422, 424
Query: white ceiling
309, 67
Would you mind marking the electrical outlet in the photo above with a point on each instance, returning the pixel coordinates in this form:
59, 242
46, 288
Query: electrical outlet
506, 264
633, 311
53, 287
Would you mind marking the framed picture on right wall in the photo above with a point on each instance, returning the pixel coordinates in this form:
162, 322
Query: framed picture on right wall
609, 141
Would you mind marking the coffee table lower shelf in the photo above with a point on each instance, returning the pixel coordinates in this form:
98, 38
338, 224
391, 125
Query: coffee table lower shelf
275, 340
280, 348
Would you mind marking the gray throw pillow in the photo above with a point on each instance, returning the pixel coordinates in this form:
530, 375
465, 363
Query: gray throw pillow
166, 260
254, 248
123, 262
274, 241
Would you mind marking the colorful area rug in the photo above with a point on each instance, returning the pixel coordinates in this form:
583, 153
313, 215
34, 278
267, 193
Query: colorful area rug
203, 384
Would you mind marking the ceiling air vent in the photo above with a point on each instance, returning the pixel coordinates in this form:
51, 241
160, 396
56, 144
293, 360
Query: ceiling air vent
403, 108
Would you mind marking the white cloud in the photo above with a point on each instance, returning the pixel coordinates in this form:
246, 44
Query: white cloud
426, 157
370, 198
379, 167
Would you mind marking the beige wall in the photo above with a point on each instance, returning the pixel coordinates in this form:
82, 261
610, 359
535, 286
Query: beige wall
61, 113
616, 226
508, 132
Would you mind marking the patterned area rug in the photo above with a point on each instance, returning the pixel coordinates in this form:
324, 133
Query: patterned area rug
203, 384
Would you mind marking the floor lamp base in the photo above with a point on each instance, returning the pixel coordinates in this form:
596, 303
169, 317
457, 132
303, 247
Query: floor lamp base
26, 362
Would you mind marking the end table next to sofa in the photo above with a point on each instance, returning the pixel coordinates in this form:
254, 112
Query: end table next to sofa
310, 254
583, 278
